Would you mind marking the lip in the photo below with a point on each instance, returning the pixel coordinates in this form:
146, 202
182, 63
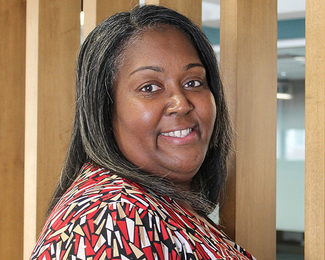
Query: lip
178, 133
180, 140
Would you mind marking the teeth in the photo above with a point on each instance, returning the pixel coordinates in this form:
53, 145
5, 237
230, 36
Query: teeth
179, 133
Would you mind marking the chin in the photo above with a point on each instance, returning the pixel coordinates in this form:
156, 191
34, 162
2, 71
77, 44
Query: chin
184, 175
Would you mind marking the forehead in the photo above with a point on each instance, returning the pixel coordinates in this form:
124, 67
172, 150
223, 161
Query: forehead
155, 45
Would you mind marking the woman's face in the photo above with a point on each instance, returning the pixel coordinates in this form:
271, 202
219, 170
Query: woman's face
164, 112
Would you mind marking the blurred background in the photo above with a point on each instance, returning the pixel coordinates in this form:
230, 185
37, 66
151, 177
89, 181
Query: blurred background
290, 196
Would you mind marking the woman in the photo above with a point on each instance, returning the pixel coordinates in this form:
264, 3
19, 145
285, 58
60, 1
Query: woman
147, 158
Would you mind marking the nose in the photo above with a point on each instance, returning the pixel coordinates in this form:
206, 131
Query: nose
178, 103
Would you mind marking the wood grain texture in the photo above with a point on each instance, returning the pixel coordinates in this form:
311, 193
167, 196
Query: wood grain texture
106, 8
59, 41
315, 131
12, 101
249, 53
190, 8
30, 169
90, 9
228, 71
97, 11
53, 42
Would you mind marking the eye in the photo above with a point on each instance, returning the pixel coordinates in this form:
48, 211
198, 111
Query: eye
193, 84
150, 88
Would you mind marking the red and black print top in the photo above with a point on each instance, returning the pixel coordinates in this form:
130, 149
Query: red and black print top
103, 216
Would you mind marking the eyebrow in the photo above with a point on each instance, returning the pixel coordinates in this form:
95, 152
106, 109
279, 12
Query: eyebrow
159, 69
192, 65
154, 68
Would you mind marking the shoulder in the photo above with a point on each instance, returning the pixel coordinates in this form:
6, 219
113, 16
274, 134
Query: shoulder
96, 185
101, 213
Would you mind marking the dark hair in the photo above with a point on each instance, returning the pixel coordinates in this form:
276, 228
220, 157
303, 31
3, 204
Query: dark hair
93, 138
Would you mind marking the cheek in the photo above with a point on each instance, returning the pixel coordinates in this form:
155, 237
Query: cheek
136, 118
135, 128
146, 116
213, 112
142, 125
207, 111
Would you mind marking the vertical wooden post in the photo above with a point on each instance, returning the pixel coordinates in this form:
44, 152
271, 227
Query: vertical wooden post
190, 8
53, 39
30, 192
98, 10
12, 100
228, 70
248, 65
315, 131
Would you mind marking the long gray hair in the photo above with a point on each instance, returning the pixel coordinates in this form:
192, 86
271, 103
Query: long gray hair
93, 138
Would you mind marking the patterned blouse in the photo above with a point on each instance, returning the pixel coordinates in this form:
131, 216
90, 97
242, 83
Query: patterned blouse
103, 216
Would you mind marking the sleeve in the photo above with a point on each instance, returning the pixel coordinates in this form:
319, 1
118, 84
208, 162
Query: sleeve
117, 230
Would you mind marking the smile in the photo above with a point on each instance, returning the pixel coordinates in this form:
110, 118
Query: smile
179, 133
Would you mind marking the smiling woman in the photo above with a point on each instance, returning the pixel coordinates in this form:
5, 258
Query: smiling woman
164, 111
147, 158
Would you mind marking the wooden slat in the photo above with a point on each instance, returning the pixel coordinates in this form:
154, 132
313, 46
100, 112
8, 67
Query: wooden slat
248, 66
90, 9
228, 71
12, 100
315, 131
190, 8
106, 8
59, 40
97, 11
53, 39
53, 42
30, 171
